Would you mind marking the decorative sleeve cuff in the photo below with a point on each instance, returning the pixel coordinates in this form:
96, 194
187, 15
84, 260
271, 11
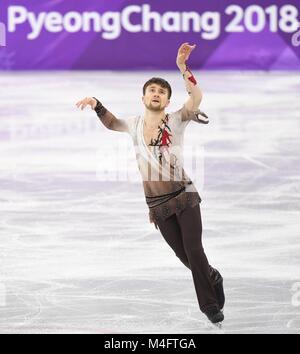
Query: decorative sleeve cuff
201, 117
99, 109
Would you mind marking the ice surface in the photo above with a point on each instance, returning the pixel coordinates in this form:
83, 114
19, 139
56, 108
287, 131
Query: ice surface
78, 254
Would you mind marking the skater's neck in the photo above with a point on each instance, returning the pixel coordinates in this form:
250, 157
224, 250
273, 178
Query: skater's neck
153, 118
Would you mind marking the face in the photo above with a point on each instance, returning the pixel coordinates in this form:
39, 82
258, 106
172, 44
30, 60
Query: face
156, 98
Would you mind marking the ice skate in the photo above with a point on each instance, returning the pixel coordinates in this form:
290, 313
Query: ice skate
215, 316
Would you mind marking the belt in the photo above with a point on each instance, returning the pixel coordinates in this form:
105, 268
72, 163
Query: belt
160, 199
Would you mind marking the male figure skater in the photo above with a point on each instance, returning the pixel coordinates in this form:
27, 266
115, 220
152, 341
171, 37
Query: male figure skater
172, 198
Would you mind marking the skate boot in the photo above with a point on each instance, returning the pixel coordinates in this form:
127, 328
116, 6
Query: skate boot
214, 315
217, 281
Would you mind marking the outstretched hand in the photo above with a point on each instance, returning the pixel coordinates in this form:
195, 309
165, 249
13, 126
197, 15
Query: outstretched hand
87, 101
184, 52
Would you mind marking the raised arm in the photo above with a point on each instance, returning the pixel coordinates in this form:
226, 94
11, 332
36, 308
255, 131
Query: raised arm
106, 117
191, 106
191, 85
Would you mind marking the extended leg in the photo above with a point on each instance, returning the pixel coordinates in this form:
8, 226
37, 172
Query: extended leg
191, 228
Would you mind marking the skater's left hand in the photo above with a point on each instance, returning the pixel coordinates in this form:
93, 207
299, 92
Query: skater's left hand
184, 52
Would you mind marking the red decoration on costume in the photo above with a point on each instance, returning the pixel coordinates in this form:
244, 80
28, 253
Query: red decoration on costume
165, 139
191, 78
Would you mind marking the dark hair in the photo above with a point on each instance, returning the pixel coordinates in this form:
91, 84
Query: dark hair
159, 81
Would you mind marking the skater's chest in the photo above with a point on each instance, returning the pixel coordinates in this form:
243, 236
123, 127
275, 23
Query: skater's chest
157, 135
151, 135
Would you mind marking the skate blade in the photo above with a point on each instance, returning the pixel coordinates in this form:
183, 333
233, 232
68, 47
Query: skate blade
218, 325
214, 326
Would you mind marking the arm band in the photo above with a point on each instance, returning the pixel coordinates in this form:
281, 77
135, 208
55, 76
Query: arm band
99, 109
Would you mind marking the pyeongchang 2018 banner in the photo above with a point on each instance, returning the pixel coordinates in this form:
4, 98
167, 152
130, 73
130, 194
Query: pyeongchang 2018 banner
116, 34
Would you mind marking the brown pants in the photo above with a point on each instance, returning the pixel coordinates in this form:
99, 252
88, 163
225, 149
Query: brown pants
183, 233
